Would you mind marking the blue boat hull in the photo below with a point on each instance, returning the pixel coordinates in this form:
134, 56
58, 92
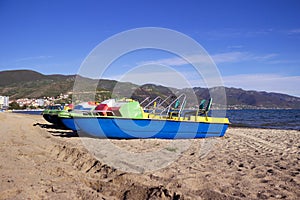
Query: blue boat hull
103, 127
69, 123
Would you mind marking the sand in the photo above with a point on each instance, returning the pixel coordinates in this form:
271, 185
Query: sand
39, 161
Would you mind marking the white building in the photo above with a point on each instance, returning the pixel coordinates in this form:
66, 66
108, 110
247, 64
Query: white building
40, 102
4, 102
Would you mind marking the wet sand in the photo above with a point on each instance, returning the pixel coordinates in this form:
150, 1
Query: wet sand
39, 161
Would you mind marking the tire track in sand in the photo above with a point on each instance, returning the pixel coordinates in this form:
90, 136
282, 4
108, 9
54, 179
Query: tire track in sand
260, 144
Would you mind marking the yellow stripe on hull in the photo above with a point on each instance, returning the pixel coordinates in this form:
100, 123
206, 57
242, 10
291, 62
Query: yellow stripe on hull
204, 119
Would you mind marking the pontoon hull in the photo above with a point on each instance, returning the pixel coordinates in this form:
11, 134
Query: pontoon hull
69, 123
104, 127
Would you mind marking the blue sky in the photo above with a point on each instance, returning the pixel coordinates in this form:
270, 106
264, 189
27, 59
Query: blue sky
255, 44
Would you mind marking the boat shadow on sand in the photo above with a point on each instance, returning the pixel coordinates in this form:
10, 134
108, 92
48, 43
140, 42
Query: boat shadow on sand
56, 130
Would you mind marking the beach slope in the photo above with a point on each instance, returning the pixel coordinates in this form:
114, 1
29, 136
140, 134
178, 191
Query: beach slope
39, 161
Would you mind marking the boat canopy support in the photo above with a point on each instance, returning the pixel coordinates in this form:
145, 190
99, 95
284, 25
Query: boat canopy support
156, 103
175, 108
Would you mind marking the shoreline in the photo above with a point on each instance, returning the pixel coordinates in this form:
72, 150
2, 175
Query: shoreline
233, 126
41, 162
273, 120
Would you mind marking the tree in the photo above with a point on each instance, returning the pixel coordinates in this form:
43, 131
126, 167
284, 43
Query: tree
32, 107
25, 106
14, 105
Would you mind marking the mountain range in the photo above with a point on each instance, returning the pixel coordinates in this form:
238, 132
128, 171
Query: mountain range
26, 83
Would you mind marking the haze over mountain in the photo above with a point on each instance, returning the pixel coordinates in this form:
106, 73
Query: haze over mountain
31, 84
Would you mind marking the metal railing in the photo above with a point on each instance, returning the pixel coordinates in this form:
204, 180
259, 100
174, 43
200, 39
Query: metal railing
169, 113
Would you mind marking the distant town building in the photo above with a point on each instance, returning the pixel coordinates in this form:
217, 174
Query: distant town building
4, 102
40, 102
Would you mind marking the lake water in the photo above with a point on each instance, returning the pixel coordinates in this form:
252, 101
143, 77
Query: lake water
30, 112
277, 119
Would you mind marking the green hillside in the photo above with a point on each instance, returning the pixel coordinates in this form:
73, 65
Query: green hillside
31, 84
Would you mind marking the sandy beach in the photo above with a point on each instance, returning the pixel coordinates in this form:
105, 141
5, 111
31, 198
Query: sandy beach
39, 161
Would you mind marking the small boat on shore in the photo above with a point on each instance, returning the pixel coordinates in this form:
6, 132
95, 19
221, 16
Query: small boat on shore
51, 113
126, 119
